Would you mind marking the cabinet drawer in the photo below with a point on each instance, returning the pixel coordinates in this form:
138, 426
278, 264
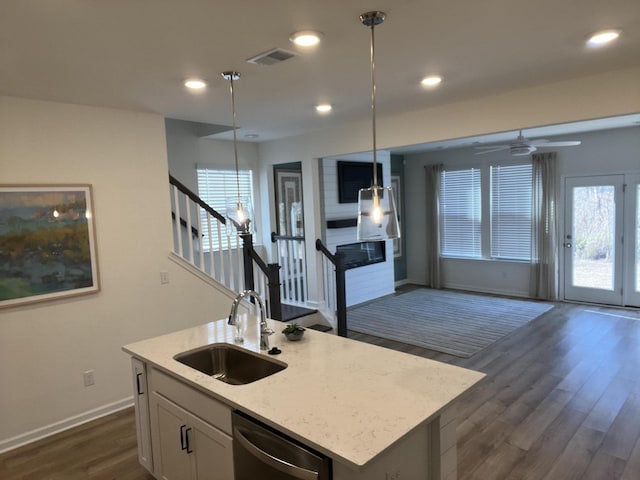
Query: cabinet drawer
208, 409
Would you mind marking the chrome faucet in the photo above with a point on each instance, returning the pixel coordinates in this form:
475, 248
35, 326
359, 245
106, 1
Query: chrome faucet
265, 331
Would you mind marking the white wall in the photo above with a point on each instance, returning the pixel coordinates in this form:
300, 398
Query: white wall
359, 286
600, 153
185, 150
46, 347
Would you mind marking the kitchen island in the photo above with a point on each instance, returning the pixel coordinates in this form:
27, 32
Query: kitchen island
376, 413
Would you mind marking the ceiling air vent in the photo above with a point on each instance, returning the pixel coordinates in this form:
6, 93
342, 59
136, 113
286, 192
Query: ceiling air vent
271, 57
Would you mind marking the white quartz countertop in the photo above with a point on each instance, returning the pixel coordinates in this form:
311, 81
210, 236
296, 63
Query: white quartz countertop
348, 399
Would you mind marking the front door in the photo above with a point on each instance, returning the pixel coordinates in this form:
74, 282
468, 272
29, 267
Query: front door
632, 233
593, 239
602, 239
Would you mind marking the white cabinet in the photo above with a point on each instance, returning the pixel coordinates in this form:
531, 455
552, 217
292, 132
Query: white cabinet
141, 404
189, 448
190, 432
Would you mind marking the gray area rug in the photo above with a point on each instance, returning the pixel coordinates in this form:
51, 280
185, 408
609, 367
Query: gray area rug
460, 324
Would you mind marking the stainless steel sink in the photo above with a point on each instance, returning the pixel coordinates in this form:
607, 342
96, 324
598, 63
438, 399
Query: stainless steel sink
230, 364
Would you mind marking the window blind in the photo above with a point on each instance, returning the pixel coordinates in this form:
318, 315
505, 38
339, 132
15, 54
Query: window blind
511, 212
215, 187
460, 213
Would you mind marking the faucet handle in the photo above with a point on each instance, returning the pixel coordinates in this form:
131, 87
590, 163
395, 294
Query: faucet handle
267, 331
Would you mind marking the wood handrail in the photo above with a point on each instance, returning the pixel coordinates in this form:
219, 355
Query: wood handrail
195, 198
337, 260
321, 248
275, 237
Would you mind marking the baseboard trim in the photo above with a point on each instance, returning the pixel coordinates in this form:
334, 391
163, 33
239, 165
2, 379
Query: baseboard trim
62, 425
492, 291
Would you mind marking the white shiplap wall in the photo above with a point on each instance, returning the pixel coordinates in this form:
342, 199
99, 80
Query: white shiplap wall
371, 281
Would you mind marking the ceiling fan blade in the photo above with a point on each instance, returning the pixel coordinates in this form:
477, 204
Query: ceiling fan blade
491, 147
569, 143
497, 148
539, 141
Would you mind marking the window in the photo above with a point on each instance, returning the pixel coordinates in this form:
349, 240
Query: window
460, 213
511, 212
214, 187
486, 212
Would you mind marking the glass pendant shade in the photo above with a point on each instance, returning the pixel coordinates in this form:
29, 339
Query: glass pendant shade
239, 214
377, 215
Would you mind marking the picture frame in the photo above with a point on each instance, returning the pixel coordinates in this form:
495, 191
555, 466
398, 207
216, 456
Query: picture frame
47, 243
395, 187
289, 215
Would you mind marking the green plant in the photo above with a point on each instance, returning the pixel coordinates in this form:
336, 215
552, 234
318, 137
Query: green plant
293, 328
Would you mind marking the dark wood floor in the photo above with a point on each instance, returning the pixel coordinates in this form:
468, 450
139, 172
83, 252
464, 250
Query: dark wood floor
561, 400
104, 449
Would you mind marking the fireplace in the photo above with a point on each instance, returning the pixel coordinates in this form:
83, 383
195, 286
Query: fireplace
362, 253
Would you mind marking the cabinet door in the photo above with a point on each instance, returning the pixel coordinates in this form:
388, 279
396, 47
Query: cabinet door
172, 457
187, 447
214, 455
141, 405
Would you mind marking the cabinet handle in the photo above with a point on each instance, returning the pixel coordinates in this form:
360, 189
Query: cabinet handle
186, 435
183, 444
138, 384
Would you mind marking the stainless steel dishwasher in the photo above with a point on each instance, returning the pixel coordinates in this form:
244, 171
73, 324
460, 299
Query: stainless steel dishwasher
260, 452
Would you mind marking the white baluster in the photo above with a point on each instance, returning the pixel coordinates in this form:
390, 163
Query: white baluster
211, 249
200, 238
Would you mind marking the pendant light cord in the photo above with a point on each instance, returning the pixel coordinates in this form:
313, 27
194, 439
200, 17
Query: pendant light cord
235, 135
373, 108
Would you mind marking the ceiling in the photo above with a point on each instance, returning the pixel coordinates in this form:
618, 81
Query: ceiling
136, 54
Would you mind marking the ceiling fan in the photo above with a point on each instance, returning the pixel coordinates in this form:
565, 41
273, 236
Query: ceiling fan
522, 146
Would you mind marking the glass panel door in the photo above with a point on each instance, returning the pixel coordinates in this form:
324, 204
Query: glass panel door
632, 245
593, 239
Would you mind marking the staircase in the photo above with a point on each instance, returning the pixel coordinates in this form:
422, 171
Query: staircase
200, 240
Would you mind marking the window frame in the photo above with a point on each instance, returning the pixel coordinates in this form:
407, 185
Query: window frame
486, 216
229, 187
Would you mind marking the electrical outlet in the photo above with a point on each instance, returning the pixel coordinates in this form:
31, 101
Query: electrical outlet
88, 378
164, 277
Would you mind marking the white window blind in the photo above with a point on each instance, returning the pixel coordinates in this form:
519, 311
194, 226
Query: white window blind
215, 187
511, 212
460, 213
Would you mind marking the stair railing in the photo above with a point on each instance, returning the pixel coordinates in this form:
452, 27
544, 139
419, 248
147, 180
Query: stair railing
200, 238
292, 259
333, 273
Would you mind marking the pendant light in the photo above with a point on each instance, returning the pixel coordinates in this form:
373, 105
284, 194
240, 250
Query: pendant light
377, 218
239, 213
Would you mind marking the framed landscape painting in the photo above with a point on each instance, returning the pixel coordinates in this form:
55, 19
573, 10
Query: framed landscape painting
47, 243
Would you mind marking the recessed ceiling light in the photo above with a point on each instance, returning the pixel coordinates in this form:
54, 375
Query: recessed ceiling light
431, 81
323, 108
306, 38
603, 37
251, 136
195, 84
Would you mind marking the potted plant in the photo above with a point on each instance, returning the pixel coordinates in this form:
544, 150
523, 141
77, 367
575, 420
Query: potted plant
293, 332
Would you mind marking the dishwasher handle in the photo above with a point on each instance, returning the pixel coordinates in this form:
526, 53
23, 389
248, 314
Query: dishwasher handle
277, 463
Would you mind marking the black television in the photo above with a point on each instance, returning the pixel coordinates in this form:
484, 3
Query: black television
352, 176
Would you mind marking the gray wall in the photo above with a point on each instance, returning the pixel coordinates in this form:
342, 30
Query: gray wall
600, 153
